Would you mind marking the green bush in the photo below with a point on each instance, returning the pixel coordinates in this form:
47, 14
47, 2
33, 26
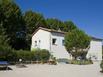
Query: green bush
41, 55
11, 55
101, 65
44, 55
24, 55
5, 52
36, 55
80, 62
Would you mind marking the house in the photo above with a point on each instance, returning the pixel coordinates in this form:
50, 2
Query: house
53, 41
95, 51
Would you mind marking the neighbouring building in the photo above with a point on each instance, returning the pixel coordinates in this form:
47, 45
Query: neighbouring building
53, 41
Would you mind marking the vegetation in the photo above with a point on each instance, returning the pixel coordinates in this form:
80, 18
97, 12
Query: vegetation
77, 43
19, 27
16, 31
101, 65
60, 25
80, 62
12, 21
102, 51
33, 20
26, 56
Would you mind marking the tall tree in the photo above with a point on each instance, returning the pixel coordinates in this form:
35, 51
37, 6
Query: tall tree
33, 20
69, 26
54, 23
77, 43
12, 21
3, 37
57, 24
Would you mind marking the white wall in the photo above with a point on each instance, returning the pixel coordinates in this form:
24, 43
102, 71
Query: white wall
44, 38
95, 51
59, 50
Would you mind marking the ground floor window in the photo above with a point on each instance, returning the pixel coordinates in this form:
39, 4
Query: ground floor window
35, 43
54, 40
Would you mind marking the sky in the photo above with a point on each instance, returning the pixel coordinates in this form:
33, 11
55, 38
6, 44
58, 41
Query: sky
86, 14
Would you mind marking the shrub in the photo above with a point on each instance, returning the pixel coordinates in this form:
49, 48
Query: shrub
13, 56
5, 52
80, 62
24, 55
44, 55
36, 54
101, 65
41, 55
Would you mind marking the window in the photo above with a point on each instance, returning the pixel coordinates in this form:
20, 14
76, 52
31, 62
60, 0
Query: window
35, 43
63, 42
39, 41
54, 41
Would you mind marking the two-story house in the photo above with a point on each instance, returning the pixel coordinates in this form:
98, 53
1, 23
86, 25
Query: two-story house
53, 41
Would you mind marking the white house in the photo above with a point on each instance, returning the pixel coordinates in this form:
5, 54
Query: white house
53, 41
95, 51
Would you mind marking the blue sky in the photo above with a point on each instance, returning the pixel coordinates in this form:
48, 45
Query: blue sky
86, 14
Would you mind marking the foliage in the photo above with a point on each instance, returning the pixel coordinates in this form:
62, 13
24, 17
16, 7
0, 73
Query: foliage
60, 25
33, 20
12, 21
54, 24
76, 43
80, 62
19, 27
44, 55
16, 31
24, 55
5, 51
102, 51
69, 26
41, 55
101, 65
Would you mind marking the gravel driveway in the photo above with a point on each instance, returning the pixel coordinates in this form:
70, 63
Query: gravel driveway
60, 70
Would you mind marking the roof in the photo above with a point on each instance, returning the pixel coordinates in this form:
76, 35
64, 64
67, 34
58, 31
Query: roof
59, 31
97, 39
49, 30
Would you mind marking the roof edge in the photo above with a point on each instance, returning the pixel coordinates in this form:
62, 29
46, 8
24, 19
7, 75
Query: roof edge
52, 30
49, 30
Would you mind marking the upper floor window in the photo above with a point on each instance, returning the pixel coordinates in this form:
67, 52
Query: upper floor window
54, 41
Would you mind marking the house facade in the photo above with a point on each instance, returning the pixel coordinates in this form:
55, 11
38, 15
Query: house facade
95, 51
53, 41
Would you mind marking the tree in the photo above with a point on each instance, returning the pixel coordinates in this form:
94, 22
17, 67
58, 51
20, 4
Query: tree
11, 19
69, 26
53, 23
57, 24
33, 20
77, 43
